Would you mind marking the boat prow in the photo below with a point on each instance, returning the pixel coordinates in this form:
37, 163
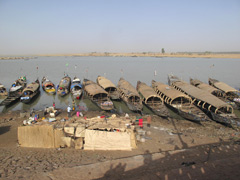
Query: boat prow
48, 86
97, 95
30, 92
108, 86
76, 88
130, 95
64, 86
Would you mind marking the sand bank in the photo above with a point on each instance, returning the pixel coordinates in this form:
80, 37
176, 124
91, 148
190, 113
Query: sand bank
157, 55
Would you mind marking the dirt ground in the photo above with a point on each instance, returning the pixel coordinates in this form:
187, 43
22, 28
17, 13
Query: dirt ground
173, 149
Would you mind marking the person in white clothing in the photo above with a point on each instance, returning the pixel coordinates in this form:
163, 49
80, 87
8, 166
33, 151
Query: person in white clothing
69, 111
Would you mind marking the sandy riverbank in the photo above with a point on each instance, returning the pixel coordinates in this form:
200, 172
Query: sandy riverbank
166, 138
157, 55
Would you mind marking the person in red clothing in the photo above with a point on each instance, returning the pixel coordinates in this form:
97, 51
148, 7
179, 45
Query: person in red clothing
140, 122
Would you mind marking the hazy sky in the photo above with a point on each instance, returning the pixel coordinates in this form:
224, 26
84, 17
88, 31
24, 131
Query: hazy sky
77, 26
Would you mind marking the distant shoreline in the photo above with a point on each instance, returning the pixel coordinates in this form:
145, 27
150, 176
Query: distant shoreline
157, 55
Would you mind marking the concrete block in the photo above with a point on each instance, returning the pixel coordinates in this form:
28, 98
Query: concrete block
67, 141
78, 143
69, 130
80, 131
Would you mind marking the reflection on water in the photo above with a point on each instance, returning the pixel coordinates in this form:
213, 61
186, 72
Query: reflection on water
132, 69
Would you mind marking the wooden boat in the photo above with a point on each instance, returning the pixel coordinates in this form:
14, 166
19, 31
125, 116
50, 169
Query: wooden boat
64, 86
219, 110
30, 92
214, 91
108, 86
229, 92
130, 95
48, 86
11, 98
18, 85
152, 100
179, 102
76, 88
3, 90
97, 95
15, 91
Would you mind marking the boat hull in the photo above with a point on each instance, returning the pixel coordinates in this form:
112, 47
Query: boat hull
27, 99
162, 111
188, 116
64, 86
134, 107
228, 120
50, 91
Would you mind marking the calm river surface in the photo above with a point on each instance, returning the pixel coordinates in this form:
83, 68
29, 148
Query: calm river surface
131, 68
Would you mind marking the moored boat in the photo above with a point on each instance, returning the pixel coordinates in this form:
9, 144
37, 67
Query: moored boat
97, 95
179, 102
30, 92
18, 85
15, 91
108, 86
229, 92
64, 86
152, 100
130, 95
3, 91
76, 88
220, 111
48, 86
214, 91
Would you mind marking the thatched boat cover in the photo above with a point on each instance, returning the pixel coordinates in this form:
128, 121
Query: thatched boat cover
201, 95
93, 88
170, 92
104, 82
147, 91
127, 88
203, 86
32, 87
224, 87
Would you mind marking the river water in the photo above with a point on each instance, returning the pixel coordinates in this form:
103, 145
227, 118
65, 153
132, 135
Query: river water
131, 68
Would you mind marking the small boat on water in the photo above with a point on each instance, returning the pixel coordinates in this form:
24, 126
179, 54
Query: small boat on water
152, 100
3, 91
48, 86
30, 92
64, 86
179, 102
76, 88
18, 85
109, 87
97, 95
219, 110
230, 93
214, 91
130, 95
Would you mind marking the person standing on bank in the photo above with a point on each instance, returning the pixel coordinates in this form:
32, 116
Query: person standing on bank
69, 111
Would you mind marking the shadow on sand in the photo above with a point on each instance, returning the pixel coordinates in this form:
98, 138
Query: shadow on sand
4, 129
211, 161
